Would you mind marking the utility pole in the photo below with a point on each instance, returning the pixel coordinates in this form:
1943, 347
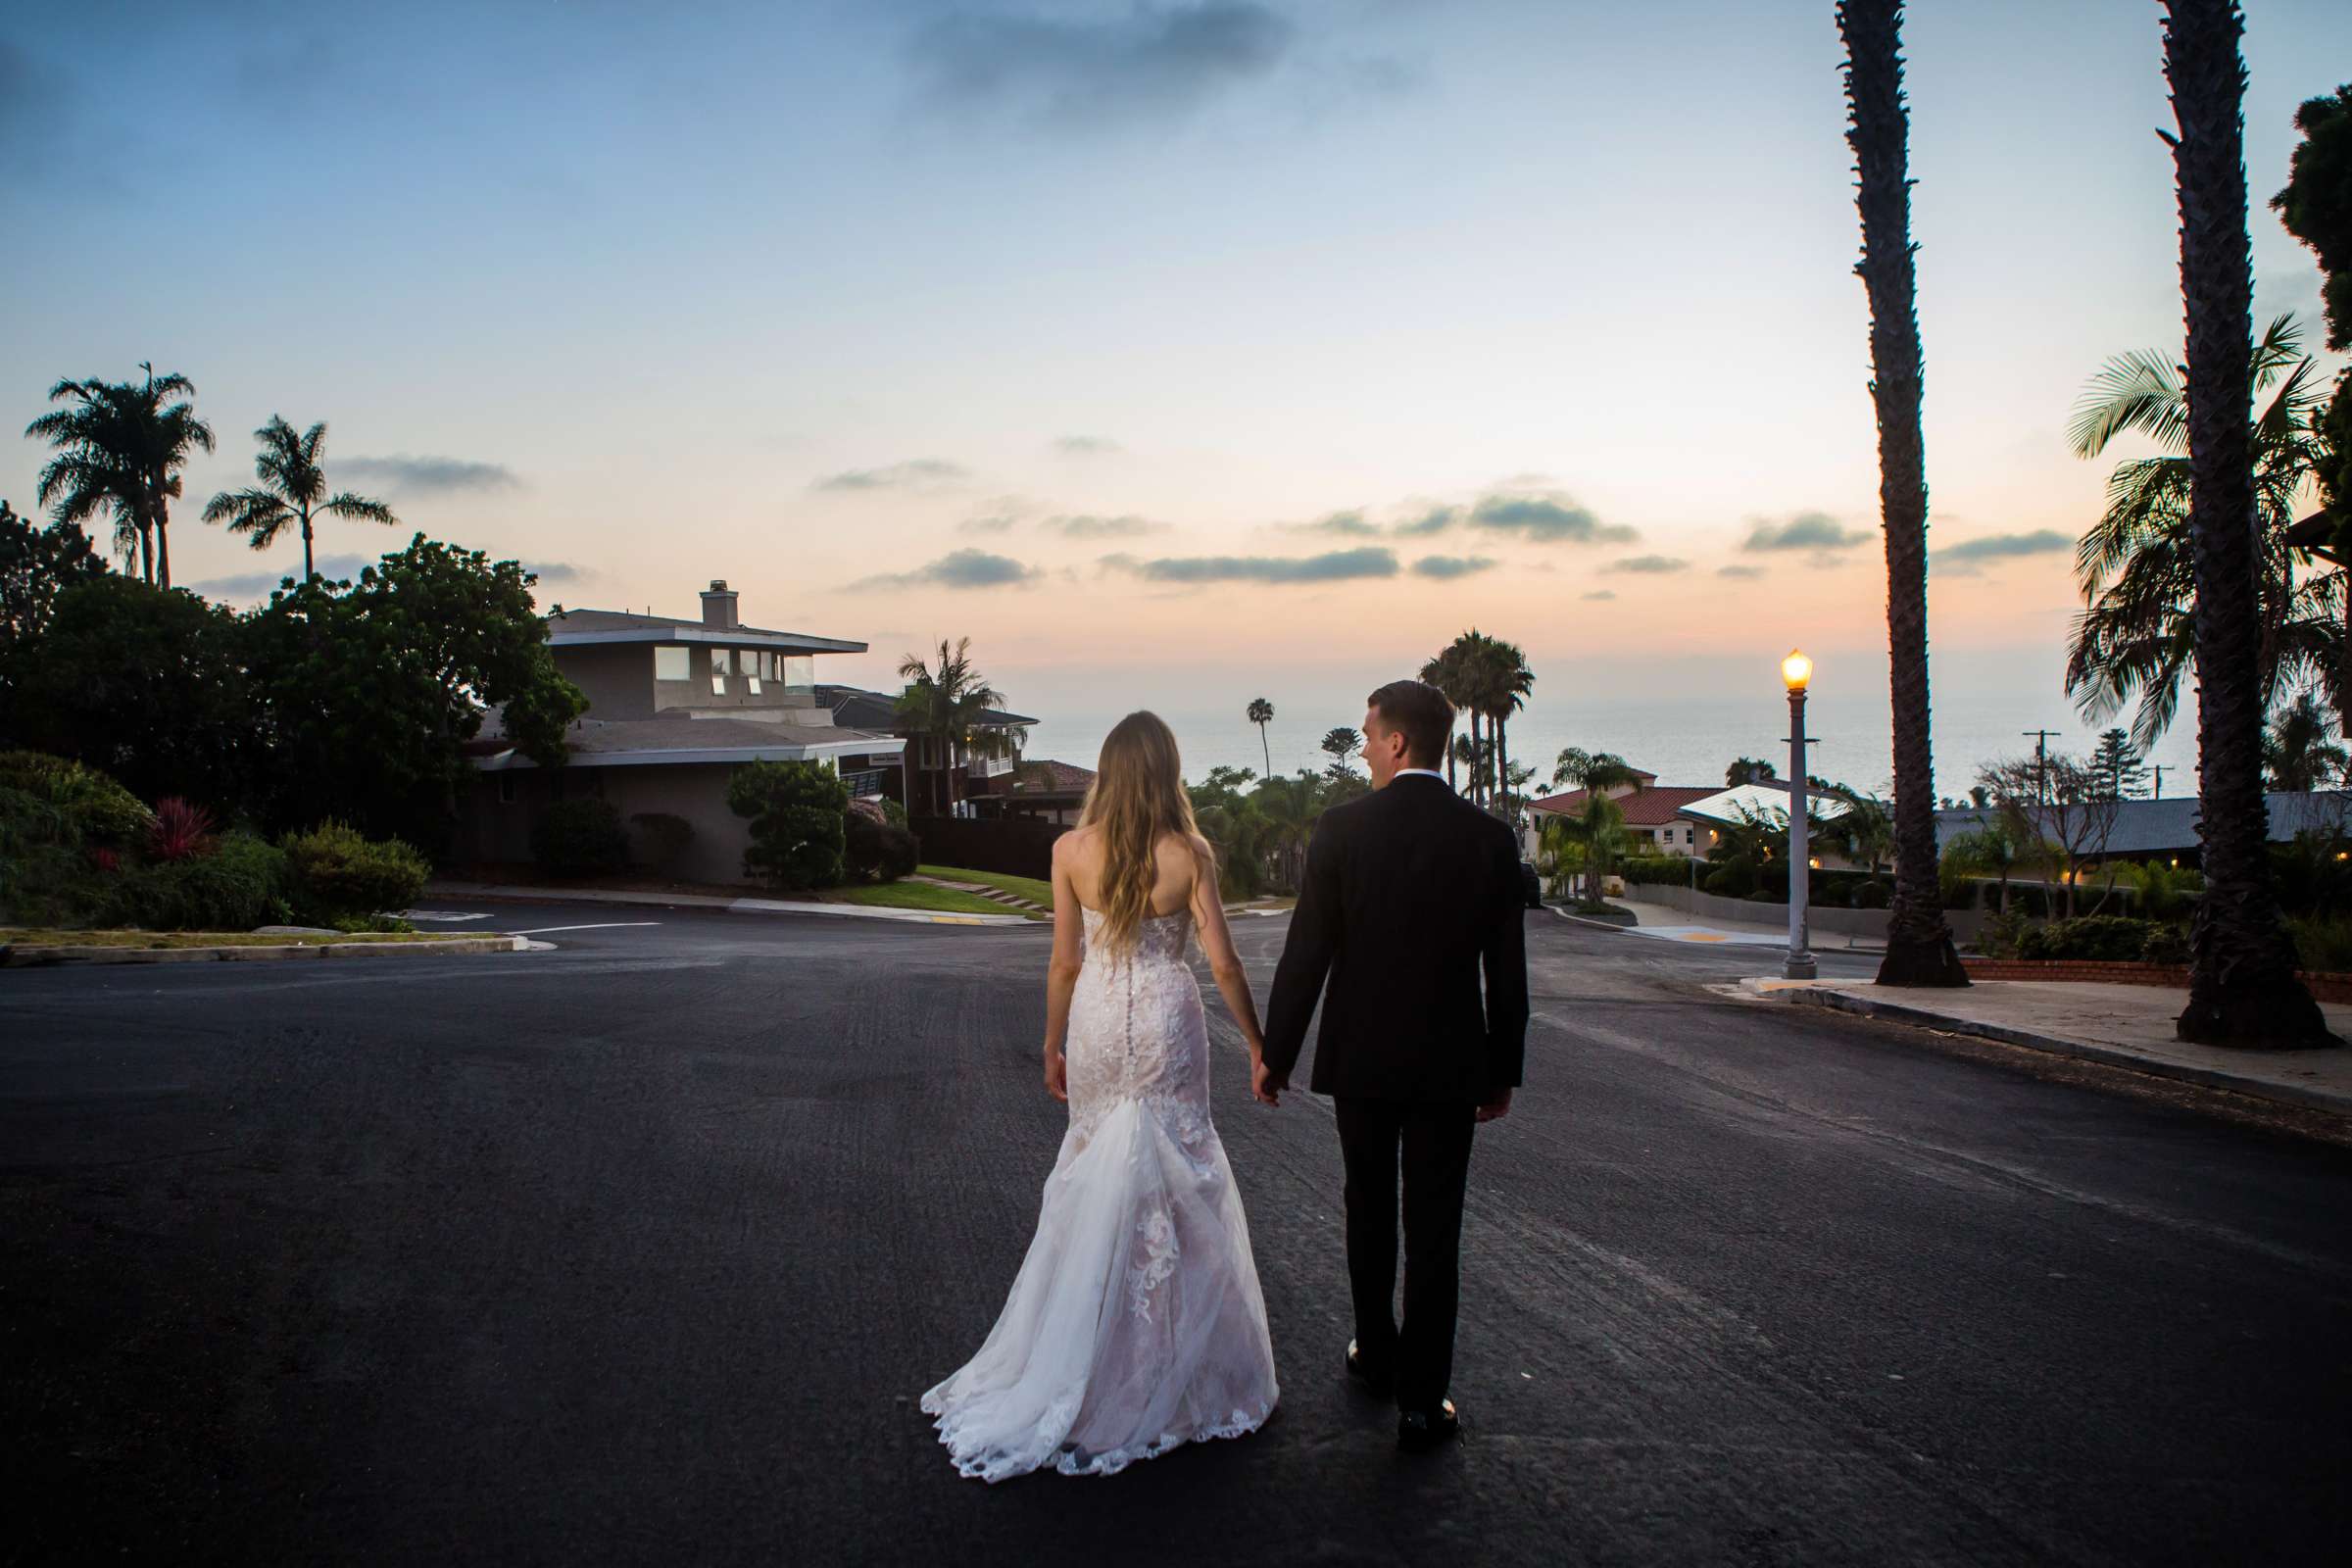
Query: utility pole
2041, 763
2158, 794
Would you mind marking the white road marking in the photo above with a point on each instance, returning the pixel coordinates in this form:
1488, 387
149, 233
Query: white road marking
443, 916
609, 925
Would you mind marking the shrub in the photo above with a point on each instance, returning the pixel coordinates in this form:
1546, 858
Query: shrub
1998, 936
579, 838
180, 831
876, 852
2100, 938
358, 925
2323, 945
96, 809
1833, 893
334, 871
240, 885
795, 811
893, 812
2166, 943
665, 838
1732, 881
1871, 895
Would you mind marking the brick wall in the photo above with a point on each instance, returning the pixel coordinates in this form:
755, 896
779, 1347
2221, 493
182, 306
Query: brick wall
2324, 986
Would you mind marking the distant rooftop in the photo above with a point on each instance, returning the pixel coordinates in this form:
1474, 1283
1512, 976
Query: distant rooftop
860, 709
717, 624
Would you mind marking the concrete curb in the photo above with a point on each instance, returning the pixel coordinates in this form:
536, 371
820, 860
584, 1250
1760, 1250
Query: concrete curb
2059, 1045
496, 893
1585, 919
16, 958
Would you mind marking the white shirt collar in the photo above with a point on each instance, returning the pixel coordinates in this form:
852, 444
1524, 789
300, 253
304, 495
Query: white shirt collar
1424, 772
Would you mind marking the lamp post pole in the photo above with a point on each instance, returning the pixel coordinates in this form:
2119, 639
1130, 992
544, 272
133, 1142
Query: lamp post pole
1795, 671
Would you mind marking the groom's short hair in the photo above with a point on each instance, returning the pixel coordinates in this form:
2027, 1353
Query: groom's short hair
1421, 713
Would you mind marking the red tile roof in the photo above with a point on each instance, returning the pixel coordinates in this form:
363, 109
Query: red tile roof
1654, 807
1043, 777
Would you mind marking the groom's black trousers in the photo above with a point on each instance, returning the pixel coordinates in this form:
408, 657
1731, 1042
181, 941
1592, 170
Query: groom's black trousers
1435, 1137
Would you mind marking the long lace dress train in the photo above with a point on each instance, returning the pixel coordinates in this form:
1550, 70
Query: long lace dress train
1136, 1323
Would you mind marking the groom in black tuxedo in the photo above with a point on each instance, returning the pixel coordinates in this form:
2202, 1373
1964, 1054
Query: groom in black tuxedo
1413, 894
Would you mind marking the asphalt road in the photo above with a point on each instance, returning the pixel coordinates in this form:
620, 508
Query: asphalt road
641, 1249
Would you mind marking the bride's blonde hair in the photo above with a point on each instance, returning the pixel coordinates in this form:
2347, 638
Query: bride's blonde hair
1137, 800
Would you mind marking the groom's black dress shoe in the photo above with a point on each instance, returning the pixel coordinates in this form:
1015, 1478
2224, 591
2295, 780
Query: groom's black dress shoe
1379, 1380
1420, 1431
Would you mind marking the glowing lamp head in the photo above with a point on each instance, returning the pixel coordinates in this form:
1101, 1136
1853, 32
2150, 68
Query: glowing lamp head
1796, 669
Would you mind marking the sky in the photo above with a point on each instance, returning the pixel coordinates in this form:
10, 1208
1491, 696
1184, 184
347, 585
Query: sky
1177, 354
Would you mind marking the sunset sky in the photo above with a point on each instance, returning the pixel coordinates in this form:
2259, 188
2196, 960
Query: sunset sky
1177, 354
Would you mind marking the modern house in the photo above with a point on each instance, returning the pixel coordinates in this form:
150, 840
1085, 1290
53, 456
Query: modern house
674, 707
2167, 829
926, 788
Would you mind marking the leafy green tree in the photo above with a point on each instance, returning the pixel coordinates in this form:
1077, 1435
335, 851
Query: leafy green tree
1261, 713
795, 809
1230, 820
147, 685
1989, 849
946, 705
1919, 941
2300, 750
2316, 203
119, 448
292, 492
371, 690
1598, 836
1341, 743
36, 565
2243, 989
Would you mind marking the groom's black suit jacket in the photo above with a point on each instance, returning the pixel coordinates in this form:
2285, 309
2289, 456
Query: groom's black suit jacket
1411, 893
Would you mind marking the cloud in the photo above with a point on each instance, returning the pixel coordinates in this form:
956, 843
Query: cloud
958, 568
1087, 446
1545, 517
994, 523
403, 474
1426, 521
1807, 531
1335, 567
557, 571
1153, 63
1744, 573
1967, 558
1350, 522
917, 474
1649, 565
1446, 567
1083, 526
1601, 593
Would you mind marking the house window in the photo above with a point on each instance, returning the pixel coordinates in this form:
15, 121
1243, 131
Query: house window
723, 661
718, 682
751, 684
673, 664
506, 789
799, 671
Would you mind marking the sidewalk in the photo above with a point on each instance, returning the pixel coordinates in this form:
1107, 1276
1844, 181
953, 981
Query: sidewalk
1668, 924
2129, 1026
705, 901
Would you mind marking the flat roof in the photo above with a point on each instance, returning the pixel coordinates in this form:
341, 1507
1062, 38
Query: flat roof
576, 628
642, 742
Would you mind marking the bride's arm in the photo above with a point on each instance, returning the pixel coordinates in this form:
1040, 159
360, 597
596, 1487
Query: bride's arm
1061, 970
1233, 981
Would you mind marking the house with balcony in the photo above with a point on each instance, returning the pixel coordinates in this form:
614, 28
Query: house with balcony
938, 779
674, 707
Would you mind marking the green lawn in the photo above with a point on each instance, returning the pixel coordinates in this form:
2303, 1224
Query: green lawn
209, 939
1020, 887
917, 896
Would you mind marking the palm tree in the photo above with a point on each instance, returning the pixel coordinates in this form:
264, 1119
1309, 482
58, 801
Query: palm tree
1289, 809
2300, 752
1748, 770
2136, 567
1919, 944
293, 490
946, 705
1598, 830
1594, 772
119, 448
1988, 848
1261, 713
1507, 685
2243, 989
1469, 676
1445, 672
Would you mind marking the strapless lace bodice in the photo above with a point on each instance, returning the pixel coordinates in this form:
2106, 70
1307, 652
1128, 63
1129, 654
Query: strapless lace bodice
1136, 1324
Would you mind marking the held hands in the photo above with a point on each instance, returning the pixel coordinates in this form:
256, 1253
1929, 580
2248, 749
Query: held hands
1496, 1109
1058, 1074
1265, 1083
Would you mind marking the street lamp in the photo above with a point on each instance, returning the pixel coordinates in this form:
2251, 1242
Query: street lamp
1797, 670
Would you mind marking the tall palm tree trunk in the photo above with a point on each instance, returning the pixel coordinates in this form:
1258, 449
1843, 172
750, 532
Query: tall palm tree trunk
163, 545
1919, 944
2243, 989
1503, 760
1266, 746
310, 572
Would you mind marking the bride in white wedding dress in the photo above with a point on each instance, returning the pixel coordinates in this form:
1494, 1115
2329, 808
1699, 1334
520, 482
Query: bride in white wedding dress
1135, 1324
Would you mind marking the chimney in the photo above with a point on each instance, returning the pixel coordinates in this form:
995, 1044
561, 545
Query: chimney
719, 604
